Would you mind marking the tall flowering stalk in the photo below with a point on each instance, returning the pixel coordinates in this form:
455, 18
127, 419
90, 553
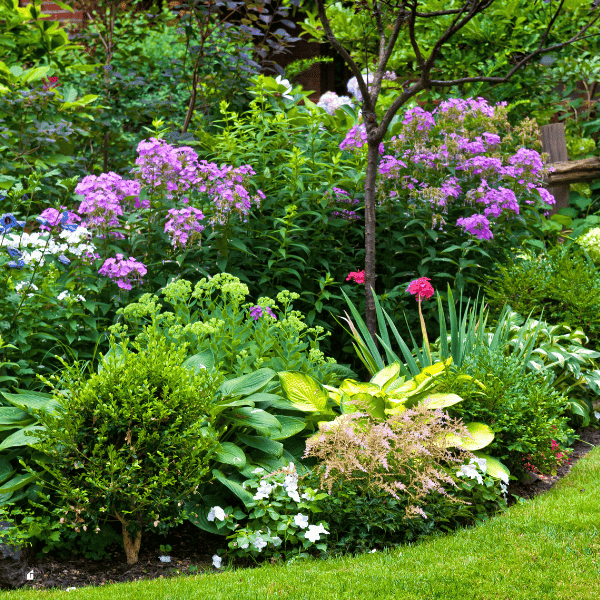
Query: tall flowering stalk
421, 288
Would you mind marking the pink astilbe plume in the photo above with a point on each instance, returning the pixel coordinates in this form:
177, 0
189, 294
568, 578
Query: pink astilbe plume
405, 455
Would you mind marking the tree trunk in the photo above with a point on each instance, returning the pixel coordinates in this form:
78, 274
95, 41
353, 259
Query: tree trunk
370, 220
131, 542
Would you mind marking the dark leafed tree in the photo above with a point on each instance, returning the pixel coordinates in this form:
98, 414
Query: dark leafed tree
397, 22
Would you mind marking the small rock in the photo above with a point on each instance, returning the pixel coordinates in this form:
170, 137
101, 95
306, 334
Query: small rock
529, 478
13, 563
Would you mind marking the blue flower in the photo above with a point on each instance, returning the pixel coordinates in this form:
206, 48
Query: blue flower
8, 221
16, 264
64, 260
65, 217
14, 253
41, 220
69, 226
22, 223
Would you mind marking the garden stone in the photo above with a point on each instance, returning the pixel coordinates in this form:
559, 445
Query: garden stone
529, 478
13, 563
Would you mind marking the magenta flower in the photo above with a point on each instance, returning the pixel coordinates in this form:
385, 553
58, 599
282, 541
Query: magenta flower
358, 276
184, 226
421, 288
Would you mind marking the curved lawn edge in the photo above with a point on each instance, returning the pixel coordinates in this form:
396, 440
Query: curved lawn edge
546, 548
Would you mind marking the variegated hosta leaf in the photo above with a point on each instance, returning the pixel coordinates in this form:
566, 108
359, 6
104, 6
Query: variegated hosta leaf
386, 376
495, 468
351, 387
398, 389
365, 403
434, 401
481, 436
304, 392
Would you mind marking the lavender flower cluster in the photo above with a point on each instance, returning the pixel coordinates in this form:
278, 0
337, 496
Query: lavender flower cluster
161, 171
330, 102
456, 154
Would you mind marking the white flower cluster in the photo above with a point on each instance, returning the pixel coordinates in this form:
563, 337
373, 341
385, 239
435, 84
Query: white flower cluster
64, 295
29, 286
314, 531
34, 246
290, 485
330, 102
470, 471
216, 512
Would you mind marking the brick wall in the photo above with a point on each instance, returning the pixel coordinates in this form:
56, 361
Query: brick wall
56, 13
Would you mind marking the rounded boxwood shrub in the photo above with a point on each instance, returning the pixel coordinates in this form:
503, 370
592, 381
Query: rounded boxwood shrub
131, 442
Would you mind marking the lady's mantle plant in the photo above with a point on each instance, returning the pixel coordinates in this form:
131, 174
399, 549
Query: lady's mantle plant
278, 523
131, 442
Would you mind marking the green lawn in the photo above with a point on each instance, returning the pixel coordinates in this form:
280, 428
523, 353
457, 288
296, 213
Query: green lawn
545, 549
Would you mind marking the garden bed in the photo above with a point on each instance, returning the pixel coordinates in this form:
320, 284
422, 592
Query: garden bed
192, 549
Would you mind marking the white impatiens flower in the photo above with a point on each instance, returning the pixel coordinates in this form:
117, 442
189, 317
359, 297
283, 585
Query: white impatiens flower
264, 490
314, 532
276, 541
216, 512
258, 470
597, 415
164, 558
217, 560
482, 462
301, 521
287, 84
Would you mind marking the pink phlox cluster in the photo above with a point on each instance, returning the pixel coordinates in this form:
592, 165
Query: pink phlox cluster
123, 271
483, 165
54, 216
103, 199
356, 138
419, 120
161, 164
477, 225
331, 102
526, 160
256, 312
227, 186
184, 225
460, 108
546, 196
421, 288
358, 276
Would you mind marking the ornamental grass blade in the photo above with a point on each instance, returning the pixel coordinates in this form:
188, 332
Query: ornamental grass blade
383, 332
365, 338
454, 332
408, 357
443, 329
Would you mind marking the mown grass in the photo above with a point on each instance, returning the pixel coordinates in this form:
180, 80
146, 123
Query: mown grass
547, 548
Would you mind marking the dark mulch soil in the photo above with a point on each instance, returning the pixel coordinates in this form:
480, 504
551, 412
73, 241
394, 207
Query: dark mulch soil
193, 548
190, 548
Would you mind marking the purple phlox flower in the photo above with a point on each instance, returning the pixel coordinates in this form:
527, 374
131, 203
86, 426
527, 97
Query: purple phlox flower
477, 225
545, 195
123, 271
256, 312
184, 225
526, 160
419, 119
104, 196
270, 313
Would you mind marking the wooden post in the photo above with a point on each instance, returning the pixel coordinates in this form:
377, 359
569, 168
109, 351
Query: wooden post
554, 143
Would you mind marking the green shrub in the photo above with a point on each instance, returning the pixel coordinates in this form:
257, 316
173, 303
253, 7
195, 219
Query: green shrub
562, 284
131, 442
523, 409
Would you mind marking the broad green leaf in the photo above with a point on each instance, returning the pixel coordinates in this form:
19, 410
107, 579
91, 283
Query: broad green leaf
245, 496
264, 397
28, 399
495, 468
481, 436
434, 401
201, 361
198, 518
386, 376
289, 426
18, 438
373, 405
230, 454
247, 384
11, 415
304, 392
253, 417
17, 482
6, 470
262, 443
34, 74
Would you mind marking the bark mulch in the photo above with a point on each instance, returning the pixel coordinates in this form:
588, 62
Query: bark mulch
192, 549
